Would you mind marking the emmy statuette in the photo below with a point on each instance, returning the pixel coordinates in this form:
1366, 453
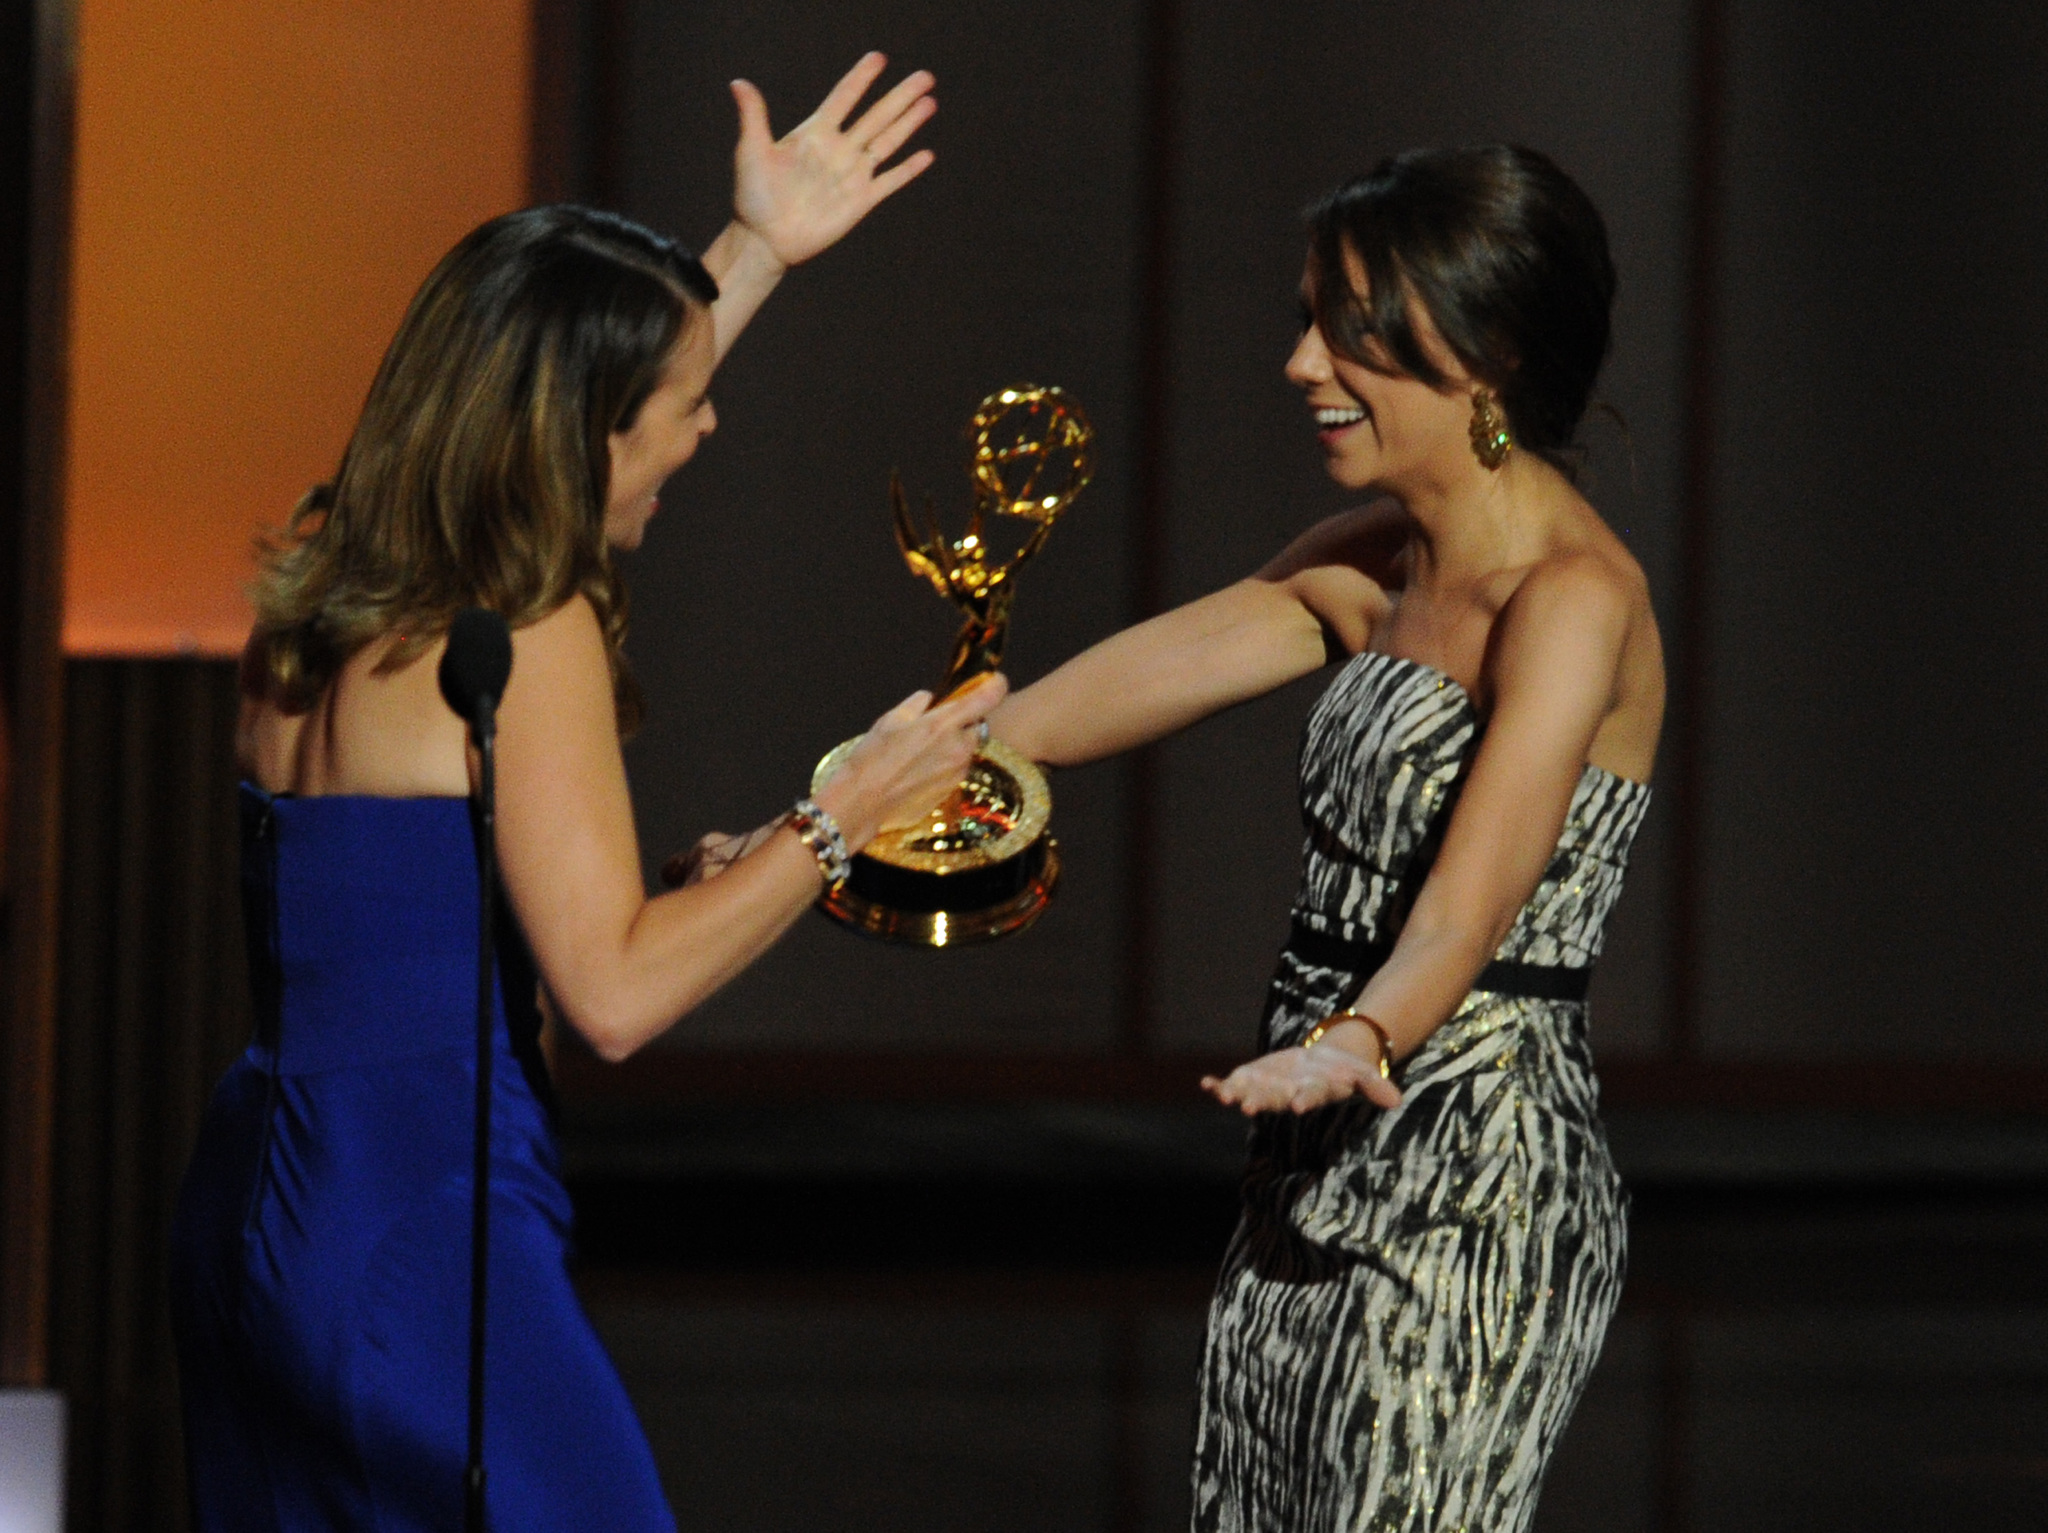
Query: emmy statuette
981, 864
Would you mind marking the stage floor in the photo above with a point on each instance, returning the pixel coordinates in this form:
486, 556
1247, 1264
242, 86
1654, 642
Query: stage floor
1018, 1352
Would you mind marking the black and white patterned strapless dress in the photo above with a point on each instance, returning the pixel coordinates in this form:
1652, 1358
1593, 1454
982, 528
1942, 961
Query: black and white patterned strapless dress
1414, 1299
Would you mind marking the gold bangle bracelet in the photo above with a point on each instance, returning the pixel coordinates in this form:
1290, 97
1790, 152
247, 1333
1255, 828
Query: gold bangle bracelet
1315, 1036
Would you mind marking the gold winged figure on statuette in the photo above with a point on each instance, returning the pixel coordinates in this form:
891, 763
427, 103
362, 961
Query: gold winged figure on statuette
1031, 454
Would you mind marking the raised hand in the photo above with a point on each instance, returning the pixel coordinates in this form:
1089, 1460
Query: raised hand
1301, 1080
801, 192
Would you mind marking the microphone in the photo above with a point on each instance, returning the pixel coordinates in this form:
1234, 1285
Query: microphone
474, 670
476, 666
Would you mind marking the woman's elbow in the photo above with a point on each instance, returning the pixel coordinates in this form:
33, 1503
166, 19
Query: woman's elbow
615, 1032
613, 1048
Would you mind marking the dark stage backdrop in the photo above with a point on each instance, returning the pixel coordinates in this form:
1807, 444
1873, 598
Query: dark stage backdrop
1114, 208
1827, 339
1874, 824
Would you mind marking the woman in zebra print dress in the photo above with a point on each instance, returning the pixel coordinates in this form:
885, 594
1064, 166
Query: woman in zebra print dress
1433, 1234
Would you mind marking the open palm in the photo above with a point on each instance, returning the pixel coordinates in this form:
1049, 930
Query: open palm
1300, 1080
803, 191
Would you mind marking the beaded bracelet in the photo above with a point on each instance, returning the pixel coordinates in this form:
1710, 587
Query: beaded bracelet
1315, 1036
820, 835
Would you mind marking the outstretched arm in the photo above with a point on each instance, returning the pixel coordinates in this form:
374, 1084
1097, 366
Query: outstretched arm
621, 967
1556, 669
796, 195
1239, 643
1163, 675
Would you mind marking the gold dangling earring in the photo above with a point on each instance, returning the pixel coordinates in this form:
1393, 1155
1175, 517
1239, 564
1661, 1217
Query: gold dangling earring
1491, 442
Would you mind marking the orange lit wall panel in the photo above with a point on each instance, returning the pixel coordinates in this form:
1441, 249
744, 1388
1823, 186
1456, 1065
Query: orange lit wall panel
261, 186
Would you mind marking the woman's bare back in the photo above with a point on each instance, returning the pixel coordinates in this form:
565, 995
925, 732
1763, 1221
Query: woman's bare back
383, 734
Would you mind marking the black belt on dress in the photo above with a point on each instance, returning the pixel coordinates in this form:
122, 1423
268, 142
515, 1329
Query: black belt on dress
1528, 981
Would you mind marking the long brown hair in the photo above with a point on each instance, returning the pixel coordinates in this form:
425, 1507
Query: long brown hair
478, 473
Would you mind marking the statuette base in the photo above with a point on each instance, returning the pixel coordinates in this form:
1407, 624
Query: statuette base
1038, 871
978, 866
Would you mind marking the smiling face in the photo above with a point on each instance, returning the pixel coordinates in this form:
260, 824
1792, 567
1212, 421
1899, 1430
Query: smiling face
1383, 431
663, 436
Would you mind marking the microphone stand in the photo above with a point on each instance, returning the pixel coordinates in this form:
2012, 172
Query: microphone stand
485, 725
474, 669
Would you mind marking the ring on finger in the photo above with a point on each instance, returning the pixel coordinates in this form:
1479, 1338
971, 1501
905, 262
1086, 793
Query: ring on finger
981, 734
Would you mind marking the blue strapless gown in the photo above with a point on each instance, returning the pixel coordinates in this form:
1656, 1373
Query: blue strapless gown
320, 1267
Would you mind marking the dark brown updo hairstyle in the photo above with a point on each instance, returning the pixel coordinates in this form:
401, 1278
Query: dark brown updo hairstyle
1508, 256
479, 471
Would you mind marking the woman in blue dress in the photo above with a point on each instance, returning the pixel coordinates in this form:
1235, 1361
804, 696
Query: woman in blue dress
549, 376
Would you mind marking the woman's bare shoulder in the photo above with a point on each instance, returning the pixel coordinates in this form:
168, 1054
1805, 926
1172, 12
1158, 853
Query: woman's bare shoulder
1587, 577
566, 648
572, 623
1584, 613
1341, 570
1366, 538
560, 699
1604, 572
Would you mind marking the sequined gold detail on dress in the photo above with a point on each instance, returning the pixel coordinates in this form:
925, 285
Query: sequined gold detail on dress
1414, 1299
